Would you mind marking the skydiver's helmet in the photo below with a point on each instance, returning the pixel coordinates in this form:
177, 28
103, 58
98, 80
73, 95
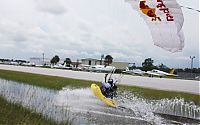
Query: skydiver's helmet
110, 81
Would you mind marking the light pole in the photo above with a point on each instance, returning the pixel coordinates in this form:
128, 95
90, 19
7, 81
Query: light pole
43, 58
102, 56
192, 57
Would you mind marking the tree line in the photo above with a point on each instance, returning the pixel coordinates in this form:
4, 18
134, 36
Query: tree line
147, 65
107, 61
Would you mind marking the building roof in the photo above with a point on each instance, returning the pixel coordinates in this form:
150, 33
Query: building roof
90, 59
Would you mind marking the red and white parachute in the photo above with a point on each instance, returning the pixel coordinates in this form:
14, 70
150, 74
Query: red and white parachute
164, 19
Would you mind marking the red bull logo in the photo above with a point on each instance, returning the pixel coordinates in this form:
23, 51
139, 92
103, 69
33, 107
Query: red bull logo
162, 7
151, 12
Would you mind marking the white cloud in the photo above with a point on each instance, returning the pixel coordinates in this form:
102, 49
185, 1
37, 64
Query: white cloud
50, 6
67, 52
86, 28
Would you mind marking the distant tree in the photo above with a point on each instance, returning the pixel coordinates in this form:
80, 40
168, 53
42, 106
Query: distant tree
180, 70
187, 70
108, 60
55, 60
196, 70
68, 62
163, 67
148, 64
131, 66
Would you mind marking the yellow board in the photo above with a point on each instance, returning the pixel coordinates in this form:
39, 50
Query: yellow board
97, 92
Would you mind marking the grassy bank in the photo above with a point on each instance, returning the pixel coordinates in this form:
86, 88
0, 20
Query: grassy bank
54, 82
160, 94
14, 114
51, 82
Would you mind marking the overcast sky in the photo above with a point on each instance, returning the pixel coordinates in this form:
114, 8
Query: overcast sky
88, 28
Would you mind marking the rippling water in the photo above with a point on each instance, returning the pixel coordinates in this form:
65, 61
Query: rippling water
83, 107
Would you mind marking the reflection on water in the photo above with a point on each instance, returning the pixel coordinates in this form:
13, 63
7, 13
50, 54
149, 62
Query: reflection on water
34, 98
83, 107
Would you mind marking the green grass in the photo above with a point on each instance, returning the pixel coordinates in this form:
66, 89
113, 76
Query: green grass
54, 82
160, 94
15, 114
51, 82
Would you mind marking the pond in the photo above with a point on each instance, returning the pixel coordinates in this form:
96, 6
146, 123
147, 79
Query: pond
82, 107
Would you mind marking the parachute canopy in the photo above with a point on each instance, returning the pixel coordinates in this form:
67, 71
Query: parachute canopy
164, 19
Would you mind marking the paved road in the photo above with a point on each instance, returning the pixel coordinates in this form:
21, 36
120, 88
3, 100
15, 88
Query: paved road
188, 86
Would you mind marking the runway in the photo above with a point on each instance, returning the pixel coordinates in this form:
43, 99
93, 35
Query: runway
187, 86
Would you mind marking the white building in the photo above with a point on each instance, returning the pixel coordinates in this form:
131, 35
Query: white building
39, 61
36, 61
120, 65
90, 61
